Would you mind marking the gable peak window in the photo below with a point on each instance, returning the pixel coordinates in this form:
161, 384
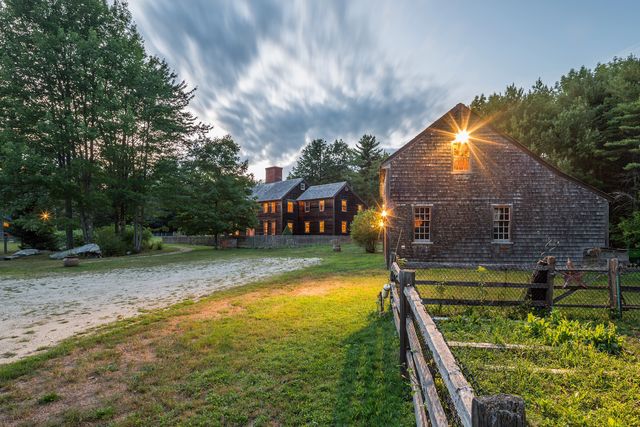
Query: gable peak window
502, 223
422, 223
461, 156
303, 186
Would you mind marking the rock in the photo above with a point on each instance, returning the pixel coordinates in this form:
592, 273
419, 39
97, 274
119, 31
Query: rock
71, 261
22, 253
86, 250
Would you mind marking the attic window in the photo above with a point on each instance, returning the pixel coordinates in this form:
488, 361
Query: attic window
302, 186
461, 156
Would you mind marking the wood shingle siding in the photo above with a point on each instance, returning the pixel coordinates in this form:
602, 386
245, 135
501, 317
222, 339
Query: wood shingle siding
545, 204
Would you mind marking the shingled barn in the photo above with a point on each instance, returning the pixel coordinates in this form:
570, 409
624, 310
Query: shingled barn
461, 191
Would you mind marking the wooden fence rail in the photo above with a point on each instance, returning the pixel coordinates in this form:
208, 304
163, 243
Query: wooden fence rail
411, 317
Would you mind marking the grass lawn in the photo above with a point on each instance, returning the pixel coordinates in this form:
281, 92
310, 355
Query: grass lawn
303, 348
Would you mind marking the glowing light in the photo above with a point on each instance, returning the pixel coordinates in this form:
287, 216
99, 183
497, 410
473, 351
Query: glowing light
381, 224
5, 224
384, 213
45, 216
462, 136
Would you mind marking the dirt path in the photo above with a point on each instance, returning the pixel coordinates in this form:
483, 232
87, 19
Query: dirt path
39, 312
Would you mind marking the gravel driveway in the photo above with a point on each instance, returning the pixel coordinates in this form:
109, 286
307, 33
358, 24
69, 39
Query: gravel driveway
36, 313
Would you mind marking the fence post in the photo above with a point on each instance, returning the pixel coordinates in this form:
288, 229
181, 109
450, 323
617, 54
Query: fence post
407, 278
613, 283
501, 410
551, 275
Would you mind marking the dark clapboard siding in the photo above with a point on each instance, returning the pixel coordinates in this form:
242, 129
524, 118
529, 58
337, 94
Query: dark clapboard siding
546, 205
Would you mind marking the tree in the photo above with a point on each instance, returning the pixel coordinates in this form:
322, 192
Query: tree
214, 194
367, 158
322, 163
366, 229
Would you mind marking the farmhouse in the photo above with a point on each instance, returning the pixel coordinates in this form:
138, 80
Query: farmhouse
461, 191
326, 209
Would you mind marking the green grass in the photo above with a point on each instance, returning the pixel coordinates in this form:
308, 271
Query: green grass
304, 348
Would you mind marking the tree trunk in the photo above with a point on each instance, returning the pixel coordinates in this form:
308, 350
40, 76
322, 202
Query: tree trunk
137, 229
86, 222
68, 213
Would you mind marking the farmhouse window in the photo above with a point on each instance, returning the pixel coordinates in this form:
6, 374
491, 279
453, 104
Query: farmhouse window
322, 226
265, 227
290, 207
265, 207
360, 207
344, 205
461, 156
273, 207
321, 205
273, 227
307, 227
422, 223
344, 227
307, 206
501, 223
290, 226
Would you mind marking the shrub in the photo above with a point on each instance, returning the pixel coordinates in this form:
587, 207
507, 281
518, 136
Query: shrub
366, 230
159, 244
147, 237
110, 243
558, 330
61, 236
630, 230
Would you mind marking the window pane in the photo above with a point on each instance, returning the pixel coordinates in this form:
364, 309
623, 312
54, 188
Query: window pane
422, 223
501, 223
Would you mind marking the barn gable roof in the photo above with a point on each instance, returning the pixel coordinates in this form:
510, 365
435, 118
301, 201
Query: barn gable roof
461, 108
274, 190
324, 191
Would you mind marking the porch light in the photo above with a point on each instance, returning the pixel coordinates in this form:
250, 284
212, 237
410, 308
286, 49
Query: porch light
384, 213
462, 136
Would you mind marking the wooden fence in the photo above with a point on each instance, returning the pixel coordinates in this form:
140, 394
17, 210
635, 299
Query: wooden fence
291, 241
412, 320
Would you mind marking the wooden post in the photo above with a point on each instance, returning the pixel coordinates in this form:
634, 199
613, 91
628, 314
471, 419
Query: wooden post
614, 299
551, 275
407, 278
501, 410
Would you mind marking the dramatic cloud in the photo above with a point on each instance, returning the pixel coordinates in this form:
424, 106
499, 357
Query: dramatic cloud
277, 74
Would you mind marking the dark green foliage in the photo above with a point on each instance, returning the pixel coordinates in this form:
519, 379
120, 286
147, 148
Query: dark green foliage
367, 159
323, 163
587, 124
48, 398
113, 244
630, 230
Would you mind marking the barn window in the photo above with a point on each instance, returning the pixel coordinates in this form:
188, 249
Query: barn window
344, 227
273, 207
265, 227
461, 156
422, 223
290, 226
322, 226
290, 207
501, 223
307, 206
307, 227
344, 205
265, 207
321, 205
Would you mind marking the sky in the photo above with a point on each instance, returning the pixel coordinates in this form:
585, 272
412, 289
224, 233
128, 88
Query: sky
277, 74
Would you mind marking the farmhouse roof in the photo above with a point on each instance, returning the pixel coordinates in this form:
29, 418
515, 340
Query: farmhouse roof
324, 191
461, 108
274, 190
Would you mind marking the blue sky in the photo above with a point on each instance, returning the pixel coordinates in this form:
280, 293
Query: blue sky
276, 74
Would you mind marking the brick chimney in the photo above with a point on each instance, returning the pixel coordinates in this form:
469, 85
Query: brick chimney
273, 174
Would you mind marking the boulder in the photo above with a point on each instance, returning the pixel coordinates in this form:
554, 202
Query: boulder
86, 250
22, 253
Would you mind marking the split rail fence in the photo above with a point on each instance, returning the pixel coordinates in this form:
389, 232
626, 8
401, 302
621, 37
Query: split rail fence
414, 326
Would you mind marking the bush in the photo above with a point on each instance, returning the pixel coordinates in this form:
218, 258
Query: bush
110, 243
366, 230
629, 229
159, 244
61, 236
147, 237
557, 330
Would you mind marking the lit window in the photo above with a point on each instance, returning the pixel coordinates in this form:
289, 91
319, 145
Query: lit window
344, 227
265, 207
307, 206
273, 207
461, 155
321, 205
344, 205
290, 226
360, 207
501, 223
422, 223
273, 227
265, 227
251, 232
290, 207
307, 227
322, 226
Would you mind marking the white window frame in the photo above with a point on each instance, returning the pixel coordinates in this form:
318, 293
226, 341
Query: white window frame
495, 206
413, 219
303, 186
307, 206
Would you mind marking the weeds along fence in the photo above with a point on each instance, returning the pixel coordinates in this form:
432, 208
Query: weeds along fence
419, 336
589, 293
